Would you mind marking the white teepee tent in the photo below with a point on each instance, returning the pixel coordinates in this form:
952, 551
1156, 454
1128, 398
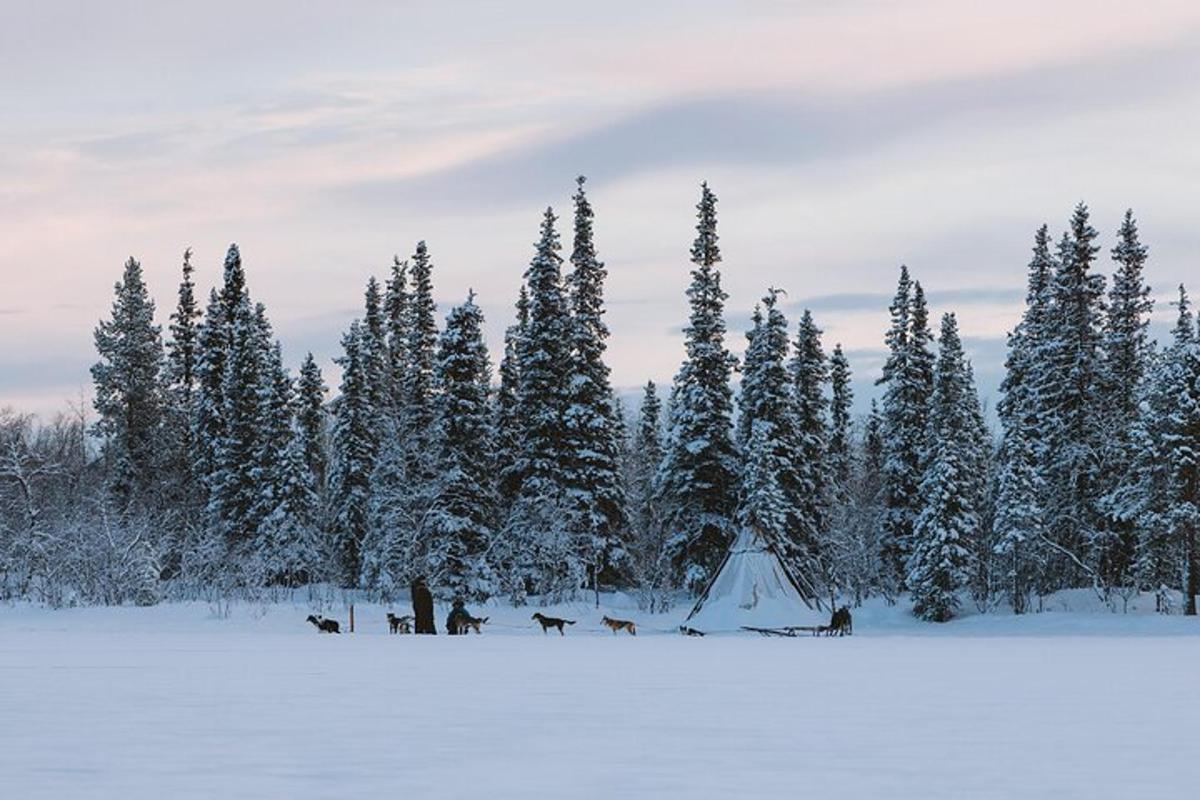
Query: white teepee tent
754, 589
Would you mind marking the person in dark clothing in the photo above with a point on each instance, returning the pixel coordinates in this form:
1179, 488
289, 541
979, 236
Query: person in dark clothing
456, 620
422, 603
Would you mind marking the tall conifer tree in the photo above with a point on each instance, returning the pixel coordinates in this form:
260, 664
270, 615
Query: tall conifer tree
396, 316
809, 375
463, 519
1126, 353
182, 370
1072, 396
311, 421
1024, 419
354, 453
129, 389
771, 501
508, 425
592, 449
840, 437
907, 381
944, 529
697, 484
538, 528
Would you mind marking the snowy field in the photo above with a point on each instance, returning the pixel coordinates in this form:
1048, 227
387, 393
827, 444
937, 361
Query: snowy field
174, 702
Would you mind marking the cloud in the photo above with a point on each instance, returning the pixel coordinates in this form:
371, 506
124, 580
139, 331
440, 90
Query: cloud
132, 145
52, 372
787, 127
301, 102
874, 301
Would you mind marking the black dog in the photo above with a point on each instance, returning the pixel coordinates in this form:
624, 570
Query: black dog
842, 624
324, 625
552, 622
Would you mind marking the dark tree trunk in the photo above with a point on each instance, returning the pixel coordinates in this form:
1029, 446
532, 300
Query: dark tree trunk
422, 603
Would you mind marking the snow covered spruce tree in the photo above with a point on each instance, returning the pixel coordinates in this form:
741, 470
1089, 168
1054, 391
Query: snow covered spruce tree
771, 498
243, 428
647, 452
939, 564
651, 566
417, 385
311, 423
1019, 524
1181, 449
396, 316
593, 471
1160, 493
178, 479
698, 481
376, 348
285, 513
403, 467
354, 452
1020, 521
233, 494
852, 567
810, 372
507, 421
206, 421
181, 373
289, 548
745, 422
1125, 343
215, 340
129, 392
908, 385
540, 553
390, 548
1073, 397
417, 414
857, 524
1126, 351
462, 517
986, 580
841, 434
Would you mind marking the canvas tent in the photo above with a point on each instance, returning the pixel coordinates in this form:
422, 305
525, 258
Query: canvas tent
753, 588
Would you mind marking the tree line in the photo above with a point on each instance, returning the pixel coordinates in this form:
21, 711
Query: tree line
217, 470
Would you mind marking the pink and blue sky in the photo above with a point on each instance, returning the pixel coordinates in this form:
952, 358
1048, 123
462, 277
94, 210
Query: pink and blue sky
842, 138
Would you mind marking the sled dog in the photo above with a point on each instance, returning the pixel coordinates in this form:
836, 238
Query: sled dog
552, 622
471, 623
620, 625
324, 625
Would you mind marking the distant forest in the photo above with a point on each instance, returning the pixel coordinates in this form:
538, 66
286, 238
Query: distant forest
208, 469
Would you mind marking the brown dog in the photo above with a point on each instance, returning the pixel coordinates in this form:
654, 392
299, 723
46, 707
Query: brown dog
620, 625
552, 622
399, 624
471, 623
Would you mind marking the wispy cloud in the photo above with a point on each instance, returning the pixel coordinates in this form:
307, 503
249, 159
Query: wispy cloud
874, 301
780, 127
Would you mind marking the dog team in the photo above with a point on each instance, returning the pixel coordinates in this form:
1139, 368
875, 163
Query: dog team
460, 622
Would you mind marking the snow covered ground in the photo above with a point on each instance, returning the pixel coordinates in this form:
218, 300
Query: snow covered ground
172, 701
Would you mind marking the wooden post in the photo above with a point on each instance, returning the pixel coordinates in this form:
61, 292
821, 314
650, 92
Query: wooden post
352, 617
